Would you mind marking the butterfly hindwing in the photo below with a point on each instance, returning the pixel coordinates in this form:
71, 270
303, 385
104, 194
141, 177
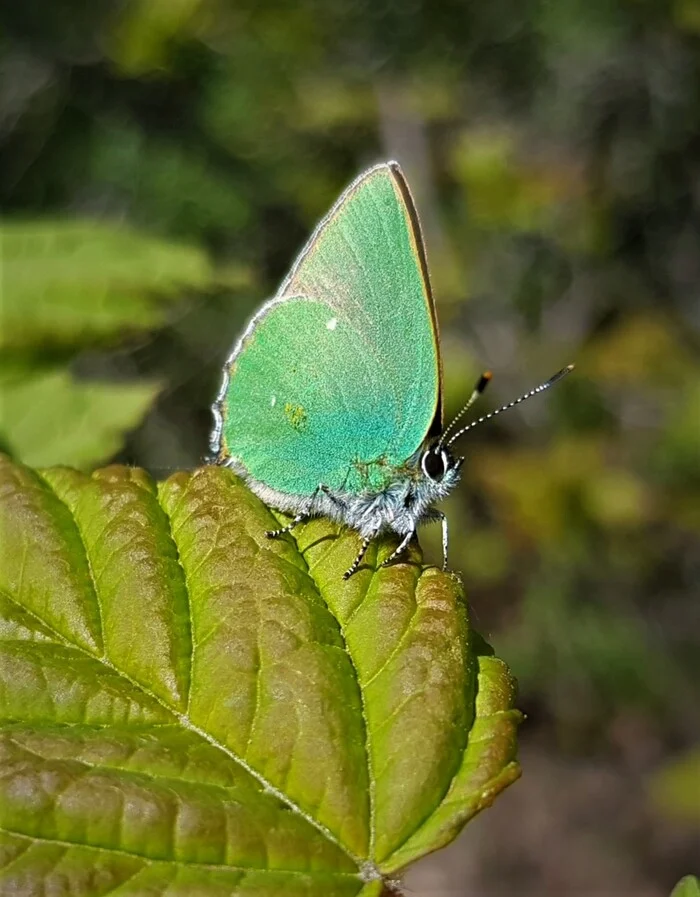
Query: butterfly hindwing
337, 380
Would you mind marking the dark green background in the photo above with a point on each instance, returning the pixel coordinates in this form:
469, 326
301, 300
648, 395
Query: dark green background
554, 153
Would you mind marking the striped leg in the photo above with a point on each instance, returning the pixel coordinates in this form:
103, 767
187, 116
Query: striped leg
402, 546
358, 560
273, 533
300, 517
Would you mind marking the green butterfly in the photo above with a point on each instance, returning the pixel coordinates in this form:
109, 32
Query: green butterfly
331, 401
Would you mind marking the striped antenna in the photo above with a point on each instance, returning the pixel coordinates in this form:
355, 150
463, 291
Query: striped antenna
528, 395
481, 385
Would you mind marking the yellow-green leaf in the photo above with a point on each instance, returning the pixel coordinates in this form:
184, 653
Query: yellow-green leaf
187, 706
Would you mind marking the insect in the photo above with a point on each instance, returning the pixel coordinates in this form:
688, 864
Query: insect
331, 401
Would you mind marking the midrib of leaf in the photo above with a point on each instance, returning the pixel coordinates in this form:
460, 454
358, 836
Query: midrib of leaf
362, 686
365, 722
428, 607
181, 718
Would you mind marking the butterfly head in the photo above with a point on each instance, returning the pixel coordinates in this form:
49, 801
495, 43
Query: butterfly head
440, 468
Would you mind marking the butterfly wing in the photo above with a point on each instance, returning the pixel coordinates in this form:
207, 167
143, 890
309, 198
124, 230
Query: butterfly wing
367, 256
337, 379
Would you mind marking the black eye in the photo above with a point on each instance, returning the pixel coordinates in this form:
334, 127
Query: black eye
434, 464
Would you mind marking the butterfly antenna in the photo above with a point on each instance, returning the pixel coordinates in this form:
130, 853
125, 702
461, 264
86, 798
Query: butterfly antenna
481, 385
528, 395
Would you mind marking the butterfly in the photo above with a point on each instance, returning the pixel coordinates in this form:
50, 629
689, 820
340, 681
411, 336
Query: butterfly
331, 400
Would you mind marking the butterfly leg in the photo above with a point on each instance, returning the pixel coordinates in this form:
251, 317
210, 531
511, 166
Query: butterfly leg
445, 538
431, 515
442, 517
334, 498
300, 517
402, 546
274, 533
358, 560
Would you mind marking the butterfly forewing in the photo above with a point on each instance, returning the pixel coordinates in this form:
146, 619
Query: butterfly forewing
337, 381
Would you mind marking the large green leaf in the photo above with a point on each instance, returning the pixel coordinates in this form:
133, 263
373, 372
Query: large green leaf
69, 283
190, 707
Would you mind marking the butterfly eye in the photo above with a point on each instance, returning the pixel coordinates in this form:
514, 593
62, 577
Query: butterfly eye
434, 464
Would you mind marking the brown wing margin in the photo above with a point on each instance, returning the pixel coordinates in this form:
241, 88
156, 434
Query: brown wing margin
435, 428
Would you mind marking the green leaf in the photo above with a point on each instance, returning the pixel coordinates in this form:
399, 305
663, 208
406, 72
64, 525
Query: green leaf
70, 283
187, 706
689, 886
47, 417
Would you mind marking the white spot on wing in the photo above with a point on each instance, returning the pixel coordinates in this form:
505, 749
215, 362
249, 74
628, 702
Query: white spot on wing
332, 324
273, 401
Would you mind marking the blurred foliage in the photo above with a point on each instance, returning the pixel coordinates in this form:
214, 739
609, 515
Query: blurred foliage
554, 151
74, 283
68, 285
676, 788
687, 887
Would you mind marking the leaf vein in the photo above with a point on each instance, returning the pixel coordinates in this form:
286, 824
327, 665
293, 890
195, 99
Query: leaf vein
187, 723
256, 706
363, 710
153, 861
91, 572
397, 648
119, 885
190, 616
15, 859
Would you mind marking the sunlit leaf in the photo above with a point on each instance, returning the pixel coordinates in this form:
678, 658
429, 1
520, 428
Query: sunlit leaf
190, 707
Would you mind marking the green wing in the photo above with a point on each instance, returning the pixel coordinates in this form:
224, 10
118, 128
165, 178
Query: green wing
337, 380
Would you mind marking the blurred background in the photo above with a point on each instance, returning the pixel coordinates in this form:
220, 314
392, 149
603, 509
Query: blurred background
162, 162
